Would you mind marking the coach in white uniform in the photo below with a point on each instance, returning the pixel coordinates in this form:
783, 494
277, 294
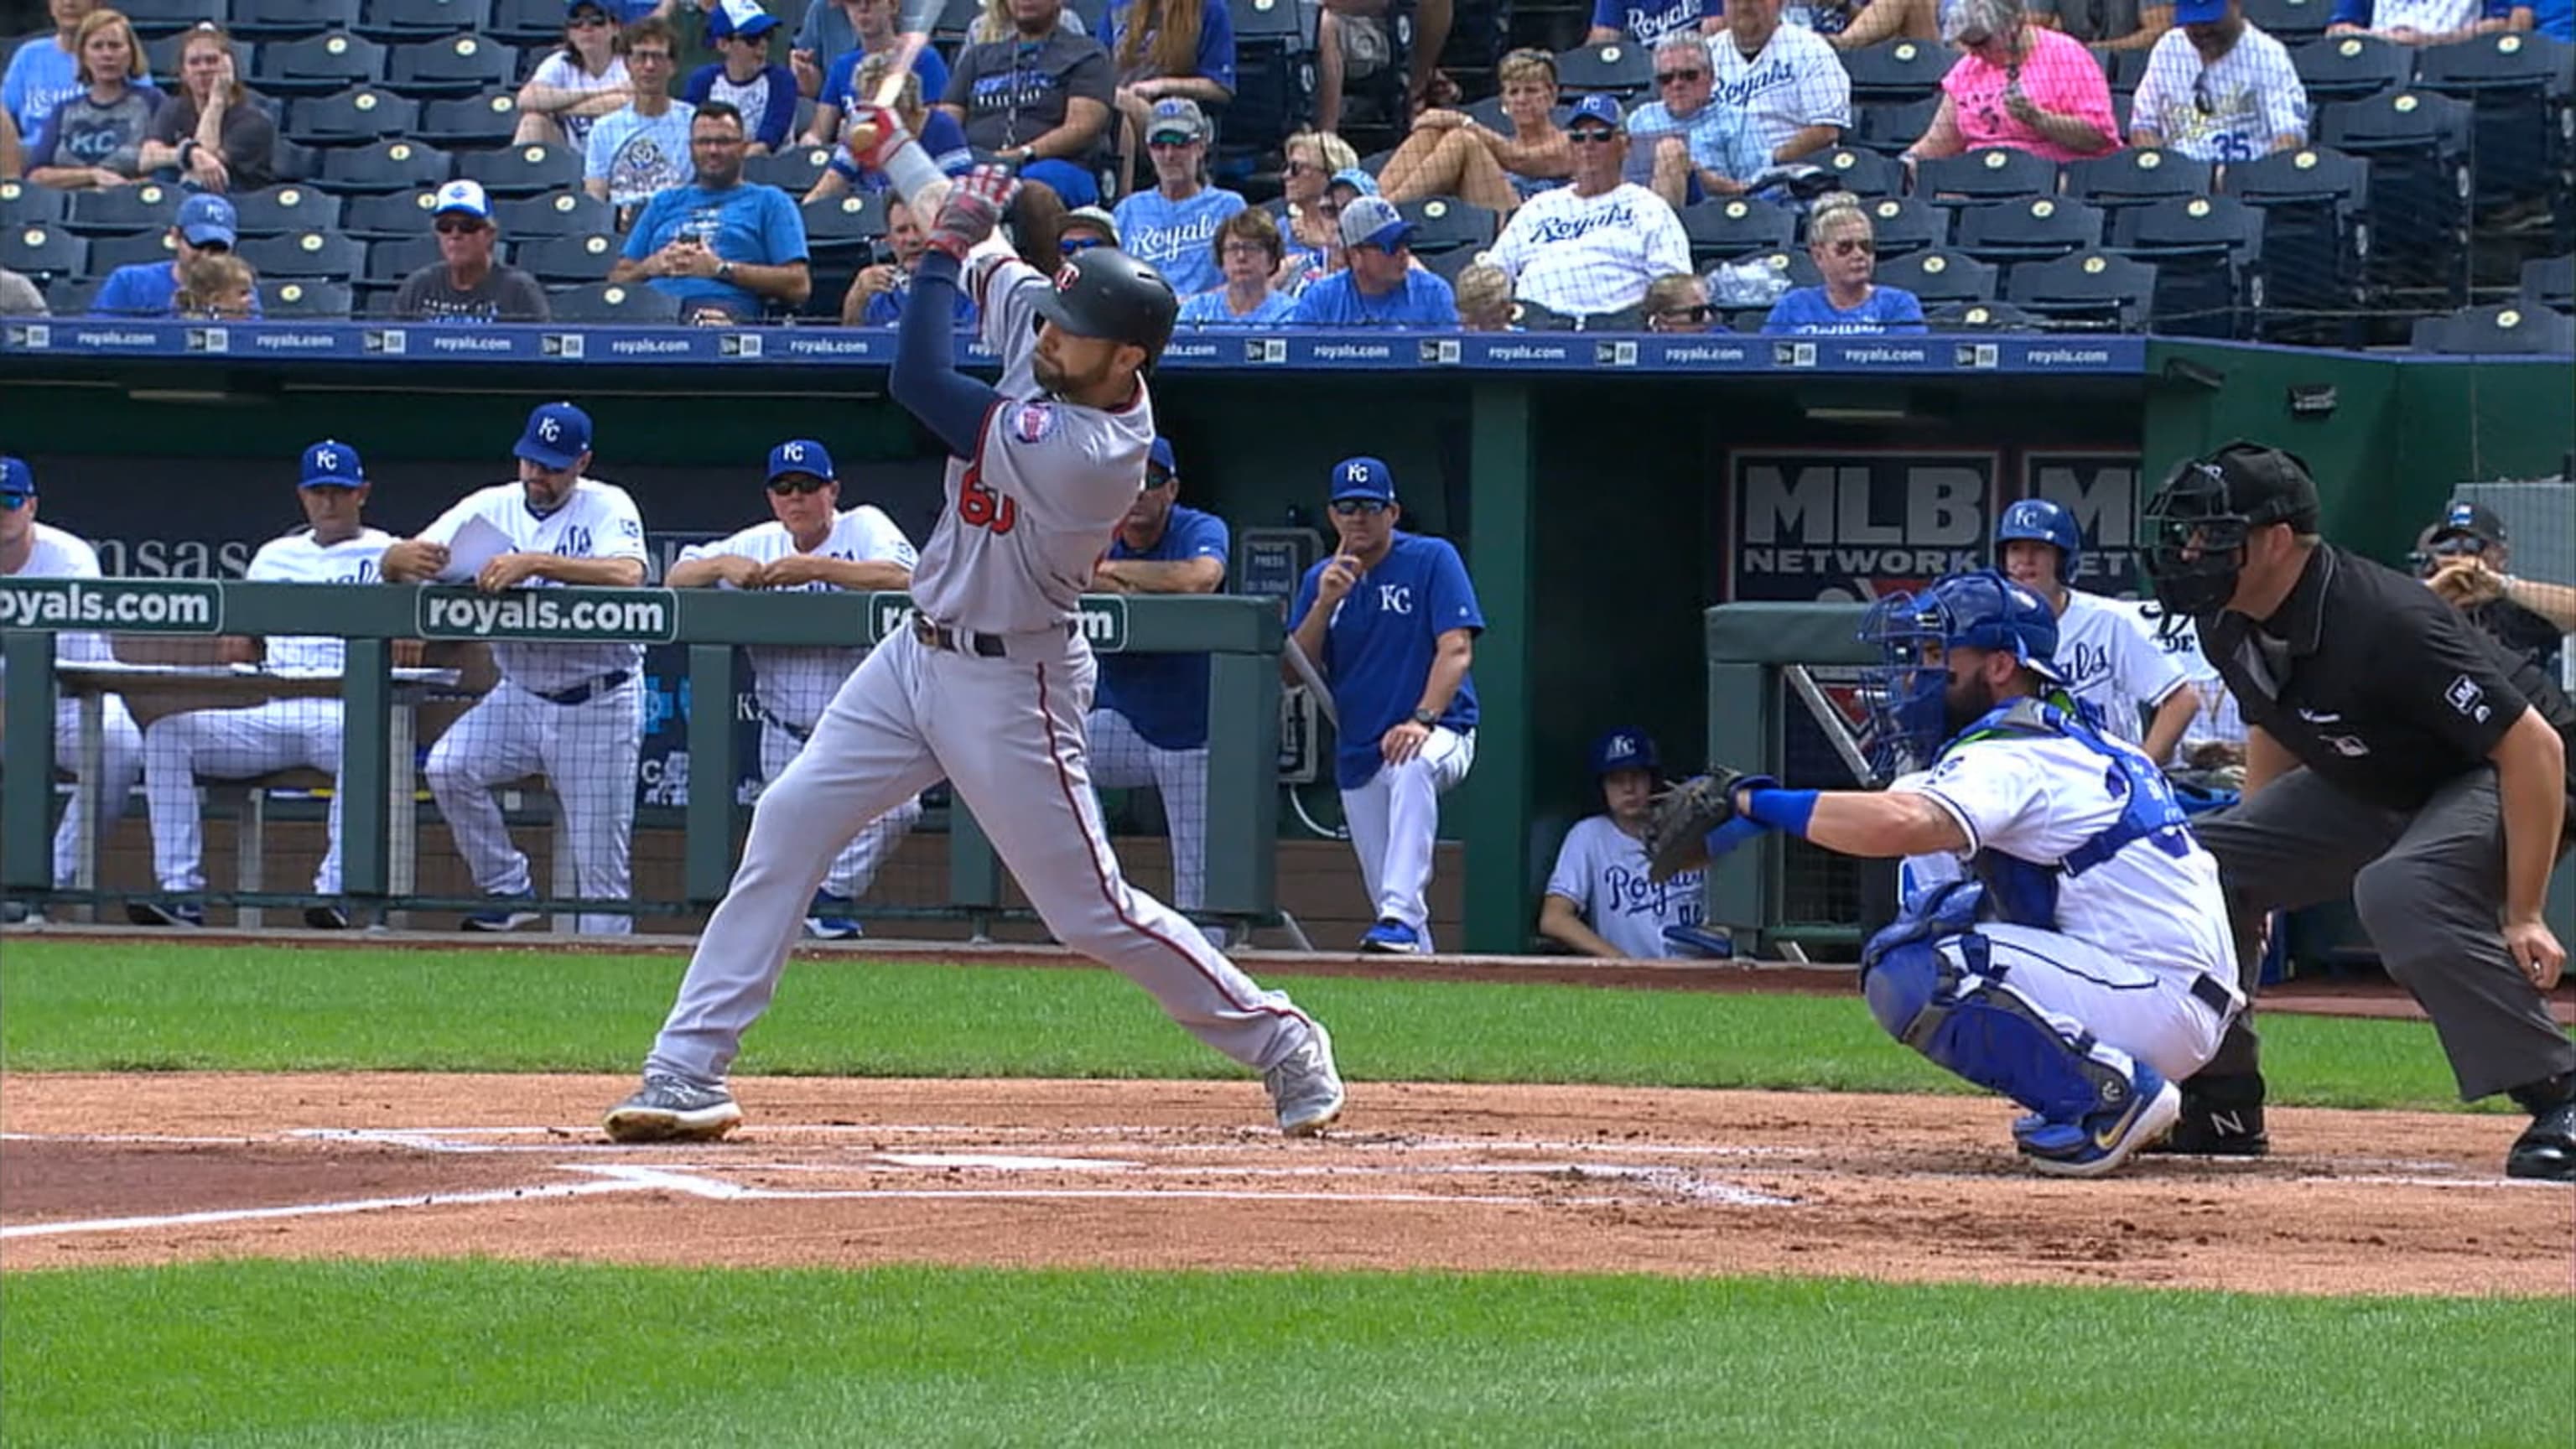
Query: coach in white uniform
575, 711
2104, 654
1594, 244
32, 550
812, 545
336, 547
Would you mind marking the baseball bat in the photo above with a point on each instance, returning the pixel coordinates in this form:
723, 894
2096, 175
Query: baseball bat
1309, 676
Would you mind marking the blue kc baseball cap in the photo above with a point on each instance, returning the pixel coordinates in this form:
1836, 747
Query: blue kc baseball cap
1625, 748
17, 481
206, 217
800, 455
558, 434
2199, 12
1160, 457
1363, 478
333, 464
1599, 108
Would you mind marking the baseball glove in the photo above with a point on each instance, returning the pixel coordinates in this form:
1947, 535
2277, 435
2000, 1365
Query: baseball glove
1677, 830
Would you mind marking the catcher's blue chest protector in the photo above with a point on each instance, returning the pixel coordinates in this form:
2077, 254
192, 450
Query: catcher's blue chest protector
2024, 892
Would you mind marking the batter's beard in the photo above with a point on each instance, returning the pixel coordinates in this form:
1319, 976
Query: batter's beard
1052, 376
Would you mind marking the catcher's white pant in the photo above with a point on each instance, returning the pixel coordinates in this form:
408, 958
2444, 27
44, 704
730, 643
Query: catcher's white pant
588, 754
2079, 987
120, 759
854, 869
1007, 734
1122, 759
233, 744
1394, 819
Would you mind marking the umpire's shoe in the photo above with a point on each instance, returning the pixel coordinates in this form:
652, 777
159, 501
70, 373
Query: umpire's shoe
2221, 1117
2547, 1149
673, 1109
1306, 1086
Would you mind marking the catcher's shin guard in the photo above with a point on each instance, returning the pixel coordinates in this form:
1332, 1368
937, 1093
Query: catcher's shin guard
1945, 999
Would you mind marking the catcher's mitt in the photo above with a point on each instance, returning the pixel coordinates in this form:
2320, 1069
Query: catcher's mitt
1677, 831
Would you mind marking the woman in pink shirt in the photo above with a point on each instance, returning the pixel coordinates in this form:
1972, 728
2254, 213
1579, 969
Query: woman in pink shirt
2019, 85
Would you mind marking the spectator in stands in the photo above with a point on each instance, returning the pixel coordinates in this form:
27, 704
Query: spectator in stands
2218, 89
938, 132
1853, 24
96, 138
216, 287
2467, 557
720, 244
19, 297
878, 293
212, 131
1171, 227
1451, 153
2106, 24
1679, 303
1485, 299
578, 84
746, 78
1683, 144
834, 32
1791, 86
13, 156
206, 225
1648, 23
465, 284
643, 148
1087, 226
2556, 19
1246, 252
2018, 85
1592, 246
1844, 247
1600, 899
2427, 22
995, 22
1307, 160
1379, 286
1040, 100
44, 71
1167, 50
1351, 43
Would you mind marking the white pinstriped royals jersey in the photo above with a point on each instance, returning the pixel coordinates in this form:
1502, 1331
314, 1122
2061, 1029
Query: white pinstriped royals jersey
2235, 108
795, 684
298, 559
1584, 254
598, 520
1795, 81
1030, 514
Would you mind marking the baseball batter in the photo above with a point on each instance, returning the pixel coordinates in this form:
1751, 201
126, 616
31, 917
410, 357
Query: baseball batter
811, 545
990, 682
2084, 965
2106, 657
336, 547
574, 711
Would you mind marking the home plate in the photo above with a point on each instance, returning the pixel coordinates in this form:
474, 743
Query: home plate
1001, 1162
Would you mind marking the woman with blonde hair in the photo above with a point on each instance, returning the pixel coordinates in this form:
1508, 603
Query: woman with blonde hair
212, 129
1844, 247
1309, 161
96, 137
937, 131
1452, 154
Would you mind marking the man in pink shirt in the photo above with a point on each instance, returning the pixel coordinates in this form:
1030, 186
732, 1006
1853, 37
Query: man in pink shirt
2018, 85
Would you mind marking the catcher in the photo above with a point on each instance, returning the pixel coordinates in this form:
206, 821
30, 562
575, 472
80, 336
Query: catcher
2066, 944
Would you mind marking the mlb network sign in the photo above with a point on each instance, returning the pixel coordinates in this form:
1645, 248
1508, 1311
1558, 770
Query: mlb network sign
1104, 619
2102, 491
1848, 526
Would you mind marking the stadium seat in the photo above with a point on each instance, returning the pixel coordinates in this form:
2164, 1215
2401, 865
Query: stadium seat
386, 166
72, 296
2125, 69
2510, 329
629, 303
1446, 224
2291, 22
566, 213
45, 252
2133, 177
317, 65
570, 260
1621, 69
285, 208
1274, 74
391, 261
386, 216
1939, 276
1979, 317
124, 210
1793, 265
353, 117
1905, 224
2550, 282
460, 65
2034, 230
286, 19
2206, 251
2417, 145
22, 204
304, 254
2352, 67
954, 19
410, 20
2517, 86
1989, 173
1897, 72
846, 223
1738, 226
108, 253
794, 170
534, 24
166, 17
1447, 265
2094, 290
1864, 173
1489, 114
163, 55
294, 161
1890, 129
531, 170
471, 121
304, 299
2315, 203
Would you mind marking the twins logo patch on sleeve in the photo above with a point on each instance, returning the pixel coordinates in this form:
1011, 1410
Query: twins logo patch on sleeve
1033, 422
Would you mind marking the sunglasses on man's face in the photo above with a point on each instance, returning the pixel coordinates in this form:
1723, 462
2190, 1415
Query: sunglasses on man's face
589, 20
1843, 246
12, 502
1358, 507
1300, 168
1699, 313
456, 226
1591, 136
787, 483
1669, 77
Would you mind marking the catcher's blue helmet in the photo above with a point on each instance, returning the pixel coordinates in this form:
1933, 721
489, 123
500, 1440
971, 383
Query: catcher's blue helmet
2046, 522
1906, 692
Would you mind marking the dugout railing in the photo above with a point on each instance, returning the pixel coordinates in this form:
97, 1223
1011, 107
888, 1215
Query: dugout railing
1242, 638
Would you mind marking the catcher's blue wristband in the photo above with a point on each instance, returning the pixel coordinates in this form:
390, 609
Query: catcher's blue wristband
1730, 835
1788, 810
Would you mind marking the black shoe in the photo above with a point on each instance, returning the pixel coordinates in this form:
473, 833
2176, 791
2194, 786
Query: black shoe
2221, 1117
2547, 1148
326, 918
186, 915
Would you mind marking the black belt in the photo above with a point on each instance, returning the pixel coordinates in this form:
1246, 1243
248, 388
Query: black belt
800, 736
2213, 995
585, 693
986, 646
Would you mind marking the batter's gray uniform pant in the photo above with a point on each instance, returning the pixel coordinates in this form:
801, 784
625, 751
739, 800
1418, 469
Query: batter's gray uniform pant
2429, 887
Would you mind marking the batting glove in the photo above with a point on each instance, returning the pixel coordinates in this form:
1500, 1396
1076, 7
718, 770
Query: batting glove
873, 135
974, 208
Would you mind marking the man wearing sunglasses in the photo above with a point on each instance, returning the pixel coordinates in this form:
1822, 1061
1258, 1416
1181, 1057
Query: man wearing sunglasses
2464, 558
465, 285
205, 226
1391, 622
2218, 89
1594, 244
1171, 227
1679, 143
811, 544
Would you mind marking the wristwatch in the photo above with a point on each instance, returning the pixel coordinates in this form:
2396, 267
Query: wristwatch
1426, 717
724, 271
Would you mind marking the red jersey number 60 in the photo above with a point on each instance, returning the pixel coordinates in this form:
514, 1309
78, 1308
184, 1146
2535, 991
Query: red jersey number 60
980, 507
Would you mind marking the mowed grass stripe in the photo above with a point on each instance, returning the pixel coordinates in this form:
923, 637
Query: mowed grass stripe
85, 1006
486, 1353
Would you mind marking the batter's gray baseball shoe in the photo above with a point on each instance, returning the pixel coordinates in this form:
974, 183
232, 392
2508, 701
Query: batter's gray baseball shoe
1306, 1087
673, 1109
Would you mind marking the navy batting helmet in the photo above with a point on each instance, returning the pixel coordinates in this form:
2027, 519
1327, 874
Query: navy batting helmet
1103, 292
2044, 522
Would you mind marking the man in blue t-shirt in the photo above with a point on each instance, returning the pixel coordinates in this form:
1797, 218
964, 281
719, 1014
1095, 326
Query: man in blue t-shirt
205, 224
1149, 718
1379, 286
719, 244
1391, 622
1173, 225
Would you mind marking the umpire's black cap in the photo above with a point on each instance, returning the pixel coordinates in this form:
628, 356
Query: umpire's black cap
2267, 485
1103, 292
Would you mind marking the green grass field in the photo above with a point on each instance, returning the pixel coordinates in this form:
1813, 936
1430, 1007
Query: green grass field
488, 1353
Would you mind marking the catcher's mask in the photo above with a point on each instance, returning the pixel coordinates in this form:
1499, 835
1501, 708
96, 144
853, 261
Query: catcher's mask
2198, 522
1907, 692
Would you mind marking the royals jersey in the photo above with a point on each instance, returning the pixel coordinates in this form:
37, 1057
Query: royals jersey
2235, 108
1583, 254
297, 559
794, 684
1602, 869
1029, 515
2110, 662
597, 521
2219, 720
57, 554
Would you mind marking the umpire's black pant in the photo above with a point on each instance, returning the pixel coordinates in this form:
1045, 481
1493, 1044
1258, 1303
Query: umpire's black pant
2429, 887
